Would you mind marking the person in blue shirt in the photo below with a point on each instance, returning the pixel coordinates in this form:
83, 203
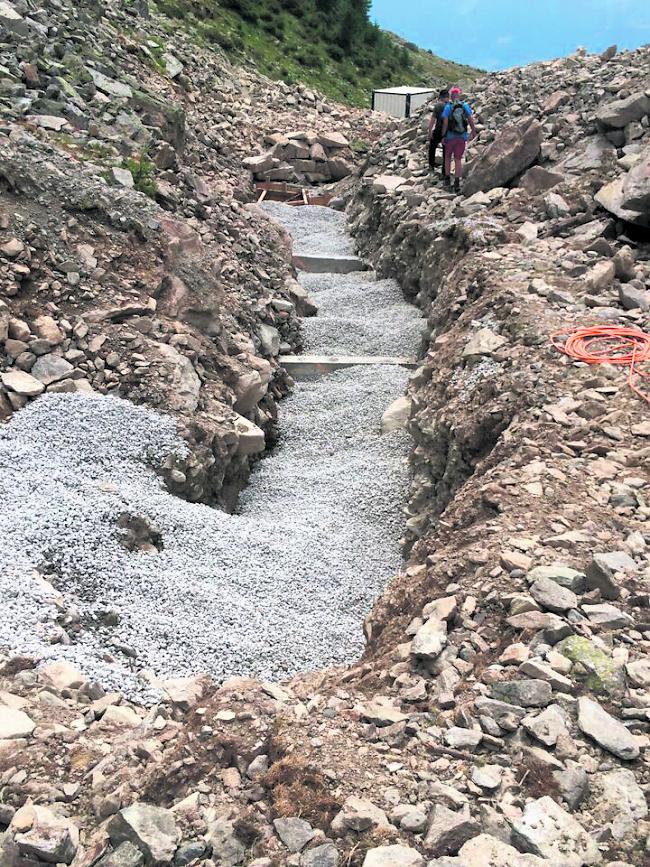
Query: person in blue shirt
457, 119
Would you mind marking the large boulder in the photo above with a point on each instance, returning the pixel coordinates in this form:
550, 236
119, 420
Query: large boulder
165, 116
514, 149
612, 197
150, 829
183, 383
545, 829
617, 114
636, 186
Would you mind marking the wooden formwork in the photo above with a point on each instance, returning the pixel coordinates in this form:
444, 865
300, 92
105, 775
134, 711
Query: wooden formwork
290, 194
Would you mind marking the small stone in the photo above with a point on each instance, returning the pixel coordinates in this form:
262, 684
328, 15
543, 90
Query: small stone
12, 249
638, 673
543, 671
126, 855
553, 627
524, 693
552, 597
120, 715
151, 829
601, 571
487, 851
487, 776
621, 793
600, 277
14, 723
430, 639
573, 784
511, 560
358, 815
506, 716
396, 416
46, 328
295, 833
320, 856
607, 616
448, 831
393, 856
414, 821
607, 731
463, 739
484, 342
546, 726
382, 712
515, 654
61, 675
50, 839
22, 383
122, 178
560, 574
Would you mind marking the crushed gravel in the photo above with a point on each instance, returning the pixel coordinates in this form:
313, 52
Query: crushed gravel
280, 587
358, 313
229, 594
316, 231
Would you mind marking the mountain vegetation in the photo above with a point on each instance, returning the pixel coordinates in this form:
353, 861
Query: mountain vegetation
329, 44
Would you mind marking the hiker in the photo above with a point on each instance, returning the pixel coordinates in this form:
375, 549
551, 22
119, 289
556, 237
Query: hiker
457, 118
435, 130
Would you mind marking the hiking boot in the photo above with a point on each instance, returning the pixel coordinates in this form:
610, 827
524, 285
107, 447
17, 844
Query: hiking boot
457, 185
446, 182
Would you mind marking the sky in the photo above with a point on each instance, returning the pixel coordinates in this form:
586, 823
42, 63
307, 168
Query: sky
498, 34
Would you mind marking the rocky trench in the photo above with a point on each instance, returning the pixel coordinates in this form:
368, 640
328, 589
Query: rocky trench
234, 594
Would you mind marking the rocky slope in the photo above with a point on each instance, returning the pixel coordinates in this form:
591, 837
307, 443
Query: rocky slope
130, 260
500, 713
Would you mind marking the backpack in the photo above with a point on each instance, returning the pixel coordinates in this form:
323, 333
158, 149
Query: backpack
458, 119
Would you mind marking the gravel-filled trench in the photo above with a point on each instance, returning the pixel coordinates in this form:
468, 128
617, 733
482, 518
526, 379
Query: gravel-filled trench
280, 587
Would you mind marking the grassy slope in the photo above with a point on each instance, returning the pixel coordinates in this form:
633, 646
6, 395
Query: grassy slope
293, 54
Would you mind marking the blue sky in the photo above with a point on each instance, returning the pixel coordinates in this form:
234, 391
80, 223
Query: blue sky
497, 34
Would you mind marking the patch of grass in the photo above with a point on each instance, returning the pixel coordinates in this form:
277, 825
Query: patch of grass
330, 45
298, 789
538, 779
359, 146
143, 172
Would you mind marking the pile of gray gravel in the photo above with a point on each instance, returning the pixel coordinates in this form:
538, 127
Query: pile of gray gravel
279, 588
316, 231
359, 314
282, 586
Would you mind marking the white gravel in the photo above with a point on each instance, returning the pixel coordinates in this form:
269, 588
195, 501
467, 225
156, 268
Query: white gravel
280, 587
358, 313
316, 231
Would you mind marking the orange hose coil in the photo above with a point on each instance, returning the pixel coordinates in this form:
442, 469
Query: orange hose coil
607, 344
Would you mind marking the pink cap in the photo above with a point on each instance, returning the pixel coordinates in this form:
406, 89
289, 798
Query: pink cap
454, 91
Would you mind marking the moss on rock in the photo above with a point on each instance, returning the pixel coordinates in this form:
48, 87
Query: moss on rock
592, 666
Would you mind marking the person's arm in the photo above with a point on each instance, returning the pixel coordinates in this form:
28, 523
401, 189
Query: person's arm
432, 124
445, 124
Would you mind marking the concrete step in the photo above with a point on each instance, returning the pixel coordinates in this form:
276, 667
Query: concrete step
328, 264
315, 366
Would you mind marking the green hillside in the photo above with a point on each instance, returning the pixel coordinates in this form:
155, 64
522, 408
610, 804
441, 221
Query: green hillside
328, 44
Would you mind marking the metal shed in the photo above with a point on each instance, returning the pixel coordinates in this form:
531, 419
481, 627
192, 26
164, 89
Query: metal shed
400, 101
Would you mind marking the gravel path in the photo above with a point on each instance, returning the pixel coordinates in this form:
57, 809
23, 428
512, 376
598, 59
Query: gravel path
280, 587
316, 231
358, 313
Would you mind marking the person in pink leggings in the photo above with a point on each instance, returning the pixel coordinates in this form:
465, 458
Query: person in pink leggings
457, 119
